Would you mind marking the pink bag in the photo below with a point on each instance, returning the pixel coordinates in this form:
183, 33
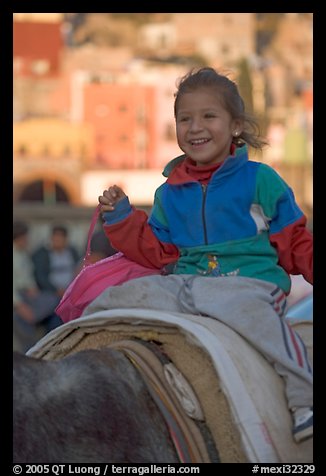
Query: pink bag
94, 278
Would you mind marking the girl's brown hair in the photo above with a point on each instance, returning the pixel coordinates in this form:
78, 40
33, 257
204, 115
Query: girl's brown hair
228, 92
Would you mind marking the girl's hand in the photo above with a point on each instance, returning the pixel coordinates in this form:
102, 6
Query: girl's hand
110, 197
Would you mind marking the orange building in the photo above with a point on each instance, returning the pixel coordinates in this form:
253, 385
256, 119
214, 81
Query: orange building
37, 47
123, 117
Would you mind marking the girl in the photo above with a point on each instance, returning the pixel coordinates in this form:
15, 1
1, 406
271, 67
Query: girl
230, 226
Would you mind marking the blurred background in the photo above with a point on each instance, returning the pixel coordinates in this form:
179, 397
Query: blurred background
93, 103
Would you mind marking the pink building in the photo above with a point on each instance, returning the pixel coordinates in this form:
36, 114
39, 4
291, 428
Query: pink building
123, 117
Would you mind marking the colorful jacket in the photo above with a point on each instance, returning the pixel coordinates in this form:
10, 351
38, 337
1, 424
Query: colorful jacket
244, 222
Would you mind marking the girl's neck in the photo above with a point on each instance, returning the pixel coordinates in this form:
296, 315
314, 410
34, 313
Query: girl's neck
203, 173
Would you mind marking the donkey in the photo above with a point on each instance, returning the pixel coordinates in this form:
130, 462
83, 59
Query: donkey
88, 407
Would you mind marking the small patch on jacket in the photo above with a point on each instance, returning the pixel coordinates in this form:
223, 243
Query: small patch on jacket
214, 268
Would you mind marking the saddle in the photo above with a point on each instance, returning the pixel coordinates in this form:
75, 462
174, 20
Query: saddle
175, 398
237, 390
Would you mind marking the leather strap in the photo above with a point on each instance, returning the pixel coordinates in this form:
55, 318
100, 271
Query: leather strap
186, 436
94, 219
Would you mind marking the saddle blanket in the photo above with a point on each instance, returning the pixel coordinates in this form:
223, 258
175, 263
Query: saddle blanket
241, 395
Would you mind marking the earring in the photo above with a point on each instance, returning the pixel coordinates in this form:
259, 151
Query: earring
235, 133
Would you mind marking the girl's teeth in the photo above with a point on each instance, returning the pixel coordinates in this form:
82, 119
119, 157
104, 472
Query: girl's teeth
200, 141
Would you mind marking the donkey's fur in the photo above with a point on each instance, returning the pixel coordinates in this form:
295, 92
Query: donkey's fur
89, 407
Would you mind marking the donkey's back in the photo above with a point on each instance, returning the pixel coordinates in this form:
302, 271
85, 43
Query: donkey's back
89, 407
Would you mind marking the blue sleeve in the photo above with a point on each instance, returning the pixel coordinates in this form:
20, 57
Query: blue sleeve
121, 210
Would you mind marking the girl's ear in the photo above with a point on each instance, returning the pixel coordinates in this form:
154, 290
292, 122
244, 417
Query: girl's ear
237, 127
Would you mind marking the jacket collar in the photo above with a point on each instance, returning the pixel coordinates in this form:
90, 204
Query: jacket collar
176, 173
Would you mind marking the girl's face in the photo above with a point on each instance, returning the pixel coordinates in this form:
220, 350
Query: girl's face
204, 127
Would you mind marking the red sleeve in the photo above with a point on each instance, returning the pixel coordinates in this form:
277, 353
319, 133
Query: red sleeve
134, 237
294, 245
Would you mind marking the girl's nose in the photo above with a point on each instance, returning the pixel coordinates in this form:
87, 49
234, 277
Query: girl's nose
196, 125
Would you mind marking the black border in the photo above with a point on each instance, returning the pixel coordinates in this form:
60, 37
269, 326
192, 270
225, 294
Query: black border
6, 81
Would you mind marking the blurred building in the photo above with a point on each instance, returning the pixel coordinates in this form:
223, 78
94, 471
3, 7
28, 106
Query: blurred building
290, 69
221, 38
38, 44
290, 83
87, 116
50, 157
123, 116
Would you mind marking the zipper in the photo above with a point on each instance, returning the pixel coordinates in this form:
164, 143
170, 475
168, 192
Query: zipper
204, 189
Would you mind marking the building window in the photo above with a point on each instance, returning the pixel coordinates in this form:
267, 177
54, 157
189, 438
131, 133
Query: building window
83, 150
47, 191
66, 150
170, 132
141, 116
162, 40
46, 150
22, 149
40, 67
228, 19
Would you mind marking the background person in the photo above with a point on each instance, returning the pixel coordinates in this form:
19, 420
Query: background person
31, 307
55, 263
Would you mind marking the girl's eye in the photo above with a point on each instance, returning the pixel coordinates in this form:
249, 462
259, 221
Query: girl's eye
210, 115
183, 119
